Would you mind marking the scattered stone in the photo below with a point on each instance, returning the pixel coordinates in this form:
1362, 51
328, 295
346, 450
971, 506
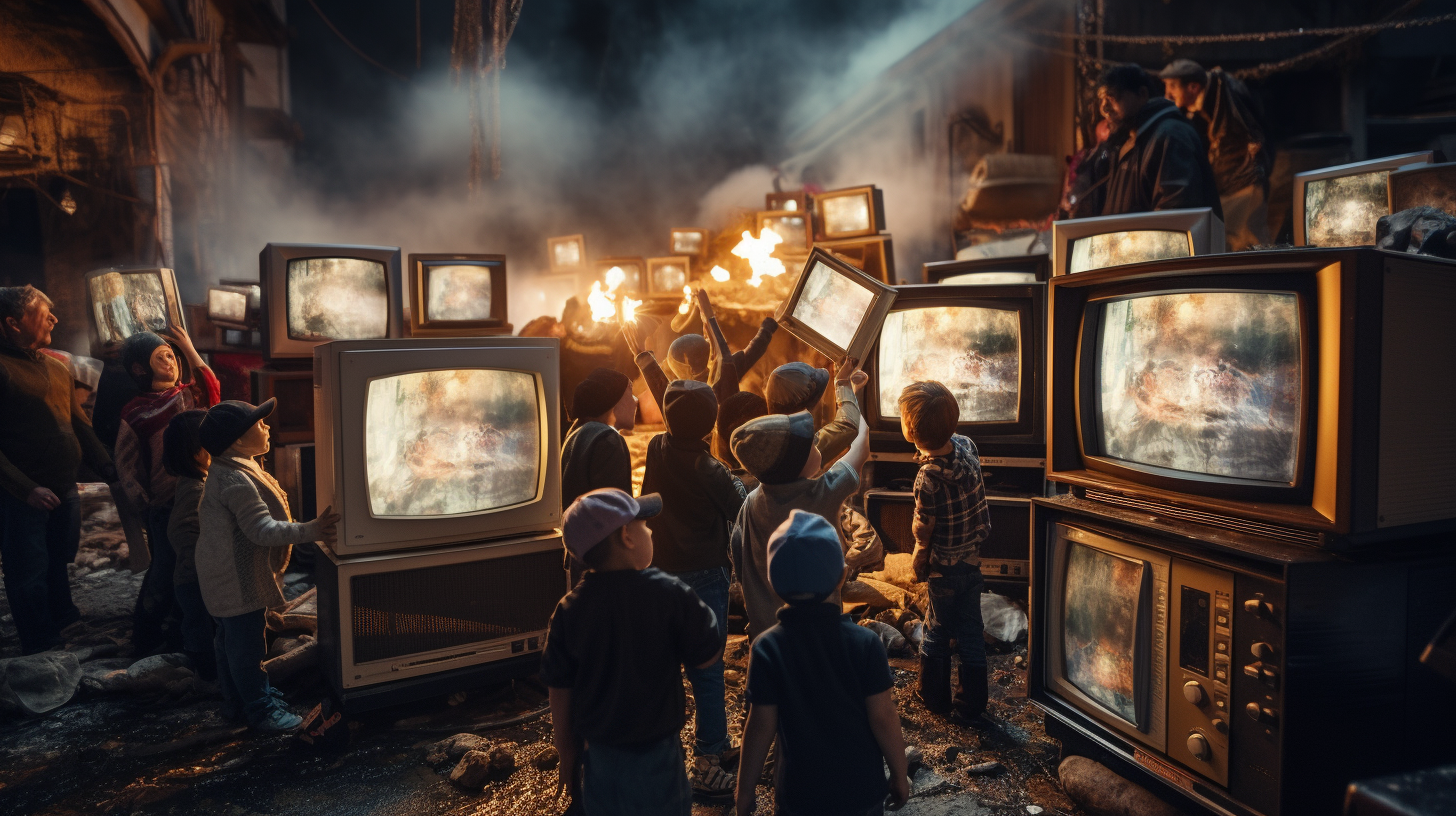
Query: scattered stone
733, 677
1019, 660
1102, 792
1033, 809
988, 767
476, 768
893, 640
546, 759
925, 782
455, 747
914, 756
38, 683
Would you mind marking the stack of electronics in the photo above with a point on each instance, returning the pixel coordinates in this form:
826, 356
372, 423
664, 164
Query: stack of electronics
849, 222
1230, 604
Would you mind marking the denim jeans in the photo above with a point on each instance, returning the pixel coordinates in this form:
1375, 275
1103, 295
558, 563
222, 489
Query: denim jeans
156, 602
197, 627
710, 726
649, 779
955, 612
241, 644
35, 547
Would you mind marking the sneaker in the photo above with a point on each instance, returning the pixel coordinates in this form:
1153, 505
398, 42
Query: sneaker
278, 720
709, 779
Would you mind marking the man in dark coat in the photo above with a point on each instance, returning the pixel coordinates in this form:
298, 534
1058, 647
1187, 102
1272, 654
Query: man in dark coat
1159, 162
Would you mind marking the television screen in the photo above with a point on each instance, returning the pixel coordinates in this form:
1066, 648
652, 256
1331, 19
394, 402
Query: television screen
832, 305
1343, 211
847, 214
1117, 248
1202, 382
669, 276
126, 303
792, 228
1430, 186
1101, 603
689, 242
458, 292
566, 253
974, 351
227, 306
255, 291
337, 299
452, 441
991, 278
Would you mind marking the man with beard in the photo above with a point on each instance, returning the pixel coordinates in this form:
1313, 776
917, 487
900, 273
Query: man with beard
1158, 160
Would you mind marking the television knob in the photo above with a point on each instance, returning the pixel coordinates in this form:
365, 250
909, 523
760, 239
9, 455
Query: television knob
1220, 725
1198, 746
1262, 651
1193, 692
1254, 606
1258, 714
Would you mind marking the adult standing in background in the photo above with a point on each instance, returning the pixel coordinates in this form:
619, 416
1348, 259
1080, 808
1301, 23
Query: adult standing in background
1158, 161
43, 439
1221, 108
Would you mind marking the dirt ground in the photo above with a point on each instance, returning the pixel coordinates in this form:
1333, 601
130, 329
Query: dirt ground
165, 750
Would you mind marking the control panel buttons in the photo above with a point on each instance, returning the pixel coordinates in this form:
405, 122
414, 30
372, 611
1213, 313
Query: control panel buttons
1221, 647
1193, 692
1220, 725
1261, 714
1269, 674
1254, 606
1198, 746
1220, 702
1262, 651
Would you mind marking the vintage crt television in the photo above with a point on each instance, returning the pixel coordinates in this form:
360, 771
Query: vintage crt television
874, 255
792, 226
426, 442
314, 293
835, 308
668, 275
230, 307
566, 253
292, 419
294, 467
397, 626
793, 201
853, 212
1013, 269
127, 299
984, 343
1286, 392
631, 269
255, 291
1339, 206
692, 241
1083, 244
454, 295
1236, 671
1429, 185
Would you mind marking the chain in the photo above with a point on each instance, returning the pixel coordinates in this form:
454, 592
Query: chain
1261, 36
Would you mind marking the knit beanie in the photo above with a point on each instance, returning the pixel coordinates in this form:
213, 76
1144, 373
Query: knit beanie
688, 357
138, 349
774, 448
794, 387
732, 413
805, 559
599, 392
689, 408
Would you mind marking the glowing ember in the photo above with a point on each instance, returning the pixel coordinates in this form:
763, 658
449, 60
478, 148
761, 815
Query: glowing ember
758, 252
687, 303
719, 274
603, 307
615, 277
603, 302
629, 309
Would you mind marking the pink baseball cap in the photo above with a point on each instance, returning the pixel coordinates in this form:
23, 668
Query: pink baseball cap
596, 515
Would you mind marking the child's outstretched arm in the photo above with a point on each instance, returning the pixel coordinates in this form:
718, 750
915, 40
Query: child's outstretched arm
647, 362
758, 734
885, 724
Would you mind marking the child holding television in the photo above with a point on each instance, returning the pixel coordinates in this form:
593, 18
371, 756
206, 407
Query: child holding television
821, 685
951, 520
700, 500
594, 454
153, 366
187, 461
615, 650
245, 535
779, 451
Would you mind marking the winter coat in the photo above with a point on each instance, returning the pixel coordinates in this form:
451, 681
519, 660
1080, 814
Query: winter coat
1160, 164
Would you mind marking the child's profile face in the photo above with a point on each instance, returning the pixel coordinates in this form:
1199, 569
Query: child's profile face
638, 536
624, 414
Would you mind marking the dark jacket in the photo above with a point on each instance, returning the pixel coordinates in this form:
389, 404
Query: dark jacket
728, 368
1159, 164
1227, 121
700, 500
594, 456
42, 439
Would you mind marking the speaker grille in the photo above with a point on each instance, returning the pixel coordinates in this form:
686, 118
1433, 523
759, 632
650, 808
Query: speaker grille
421, 610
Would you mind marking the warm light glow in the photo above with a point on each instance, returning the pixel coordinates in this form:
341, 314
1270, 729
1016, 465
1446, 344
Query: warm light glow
629, 309
687, 303
719, 274
615, 277
759, 254
603, 307
603, 302
791, 205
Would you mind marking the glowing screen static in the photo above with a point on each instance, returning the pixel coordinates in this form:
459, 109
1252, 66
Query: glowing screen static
1117, 248
1099, 627
125, 304
458, 292
1344, 211
668, 278
566, 253
791, 229
850, 213
440, 443
832, 305
687, 243
1205, 382
973, 351
225, 305
337, 299
991, 278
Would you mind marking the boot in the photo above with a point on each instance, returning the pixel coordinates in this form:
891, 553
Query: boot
970, 699
934, 690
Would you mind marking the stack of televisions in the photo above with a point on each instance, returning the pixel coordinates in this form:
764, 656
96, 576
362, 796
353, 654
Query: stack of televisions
657, 277
1245, 539
849, 223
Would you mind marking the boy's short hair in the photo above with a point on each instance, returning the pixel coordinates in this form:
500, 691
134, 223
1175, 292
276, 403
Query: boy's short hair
598, 556
1130, 79
931, 413
181, 440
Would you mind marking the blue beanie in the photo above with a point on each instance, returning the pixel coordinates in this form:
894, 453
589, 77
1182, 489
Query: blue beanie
805, 560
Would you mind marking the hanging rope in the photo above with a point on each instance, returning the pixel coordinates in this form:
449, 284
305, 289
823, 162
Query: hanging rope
478, 56
1261, 36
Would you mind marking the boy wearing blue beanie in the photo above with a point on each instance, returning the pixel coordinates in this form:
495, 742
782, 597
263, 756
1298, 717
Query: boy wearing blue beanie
821, 685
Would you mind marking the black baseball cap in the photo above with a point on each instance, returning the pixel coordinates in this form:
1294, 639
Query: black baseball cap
227, 421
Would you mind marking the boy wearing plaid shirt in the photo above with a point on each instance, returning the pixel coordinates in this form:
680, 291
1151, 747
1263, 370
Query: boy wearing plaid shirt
951, 521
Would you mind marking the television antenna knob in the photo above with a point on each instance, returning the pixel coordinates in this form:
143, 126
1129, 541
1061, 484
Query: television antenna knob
1198, 746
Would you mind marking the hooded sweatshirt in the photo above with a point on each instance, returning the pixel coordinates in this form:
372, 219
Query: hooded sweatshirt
1160, 163
950, 495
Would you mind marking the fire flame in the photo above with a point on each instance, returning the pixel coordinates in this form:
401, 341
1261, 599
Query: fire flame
687, 303
615, 277
629, 309
758, 252
719, 274
603, 308
603, 302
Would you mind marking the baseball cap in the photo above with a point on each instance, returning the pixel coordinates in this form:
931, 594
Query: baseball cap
774, 448
794, 387
597, 514
227, 421
1184, 69
805, 560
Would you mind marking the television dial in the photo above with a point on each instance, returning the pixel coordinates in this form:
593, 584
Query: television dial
1193, 692
1262, 651
1198, 746
1258, 714
1221, 725
1254, 606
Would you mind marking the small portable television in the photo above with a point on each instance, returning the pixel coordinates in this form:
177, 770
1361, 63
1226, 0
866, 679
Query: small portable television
1010, 270
1340, 206
566, 252
1286, 392
874, 255
628, 270
792, 226
835, 308
1431, 185
689, 241
1083, 244
792, 201
292, 420
668, 275
255, 291
455, 295
435, 441
852, 212
314, 293
125, 300
229, 307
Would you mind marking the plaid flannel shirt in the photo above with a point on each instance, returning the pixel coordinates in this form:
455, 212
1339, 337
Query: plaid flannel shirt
950, 495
